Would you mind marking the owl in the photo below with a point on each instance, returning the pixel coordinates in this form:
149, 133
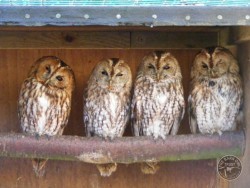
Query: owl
45, 101
215, 100
107, 103
158, 103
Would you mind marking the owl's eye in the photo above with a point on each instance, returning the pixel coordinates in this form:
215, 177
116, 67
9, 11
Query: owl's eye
105, 73
119, 74
48, 68
150, 66
204, 66
59, 78
166, 67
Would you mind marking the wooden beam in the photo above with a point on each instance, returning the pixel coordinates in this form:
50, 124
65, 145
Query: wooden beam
63, 39
115, 28
151, 39
123, 150
105, 39
150, 16
240, 34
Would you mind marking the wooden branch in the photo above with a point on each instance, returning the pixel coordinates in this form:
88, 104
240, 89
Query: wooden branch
123, 150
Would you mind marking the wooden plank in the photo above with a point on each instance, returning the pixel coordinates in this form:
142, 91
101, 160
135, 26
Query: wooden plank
61, 39
244, 58
124, 15
105, 39
240, 34
18, 173
115, 28
150, 39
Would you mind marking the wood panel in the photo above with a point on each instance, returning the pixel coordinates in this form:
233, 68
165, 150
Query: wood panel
18, 172
136, 14
240, 34
33, 38
114, 28
151, 39
64, 39
244, 57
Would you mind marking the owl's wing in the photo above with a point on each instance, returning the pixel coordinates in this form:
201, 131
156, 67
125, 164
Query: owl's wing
64, 123
178, 119
192, 117
134, 118
85, 115
239, 118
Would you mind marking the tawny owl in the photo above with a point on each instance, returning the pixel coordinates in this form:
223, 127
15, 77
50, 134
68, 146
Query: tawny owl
158, 103
107, 103
216, 92
45, 101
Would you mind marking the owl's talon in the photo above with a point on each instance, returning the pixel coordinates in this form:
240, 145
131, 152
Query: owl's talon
48, 136
219, 132
149, 167
106, 169
37, 136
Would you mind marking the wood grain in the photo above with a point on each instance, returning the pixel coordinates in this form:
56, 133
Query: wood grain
151, 39
125, 150
244, 57
37, 39
18, 173
64, 39
240, 34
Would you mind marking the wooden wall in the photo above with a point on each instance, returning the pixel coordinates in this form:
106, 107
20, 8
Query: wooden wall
18, 172
244, 58
82, 48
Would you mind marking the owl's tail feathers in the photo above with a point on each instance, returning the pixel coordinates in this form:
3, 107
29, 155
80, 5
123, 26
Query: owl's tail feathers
39, 166
149, 167
106, 169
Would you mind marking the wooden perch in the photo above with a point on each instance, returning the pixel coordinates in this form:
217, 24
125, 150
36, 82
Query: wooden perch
123, 150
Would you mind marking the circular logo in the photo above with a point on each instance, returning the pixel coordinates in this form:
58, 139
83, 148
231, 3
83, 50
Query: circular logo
229, 167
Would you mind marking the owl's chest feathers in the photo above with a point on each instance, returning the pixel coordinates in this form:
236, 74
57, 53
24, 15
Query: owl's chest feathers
159, 99
43, 108
157, 92
106, 103
216, 105
220, 89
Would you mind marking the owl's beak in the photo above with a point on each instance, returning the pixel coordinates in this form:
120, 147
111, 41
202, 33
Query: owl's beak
158, 77
212, 74
110, 87
47, 81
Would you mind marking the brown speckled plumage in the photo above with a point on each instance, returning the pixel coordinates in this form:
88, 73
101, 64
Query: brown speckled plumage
215, 98
107, 103
45, 100
158, 102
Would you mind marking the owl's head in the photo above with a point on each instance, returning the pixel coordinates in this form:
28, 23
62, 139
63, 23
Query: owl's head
160, 66
214, 62
112, 74
54, 73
